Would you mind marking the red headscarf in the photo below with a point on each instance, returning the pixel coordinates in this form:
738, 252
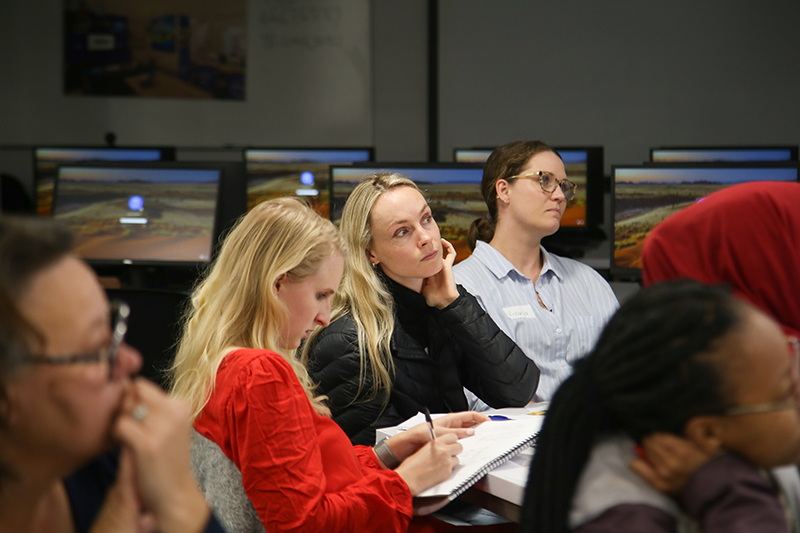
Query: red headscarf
746, 236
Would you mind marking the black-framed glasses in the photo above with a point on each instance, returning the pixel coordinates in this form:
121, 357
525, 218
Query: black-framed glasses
794, 403
120, 311
549, 182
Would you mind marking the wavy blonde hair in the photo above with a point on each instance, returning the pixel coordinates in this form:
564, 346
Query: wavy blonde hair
362, 294
235, 304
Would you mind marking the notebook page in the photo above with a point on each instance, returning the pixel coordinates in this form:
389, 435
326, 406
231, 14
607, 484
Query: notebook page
493, 442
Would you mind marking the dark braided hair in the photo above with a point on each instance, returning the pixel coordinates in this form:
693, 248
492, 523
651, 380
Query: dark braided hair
653, 369
506, 161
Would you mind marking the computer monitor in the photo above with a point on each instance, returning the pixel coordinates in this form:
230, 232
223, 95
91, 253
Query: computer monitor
47, 158
300, 172
453, 192
584, 166
124, 213
645, 195
731, 154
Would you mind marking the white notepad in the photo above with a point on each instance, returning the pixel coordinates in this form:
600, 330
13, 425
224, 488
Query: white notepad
493, 443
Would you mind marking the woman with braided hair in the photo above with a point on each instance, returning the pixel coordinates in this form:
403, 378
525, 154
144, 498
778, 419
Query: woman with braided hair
684, 374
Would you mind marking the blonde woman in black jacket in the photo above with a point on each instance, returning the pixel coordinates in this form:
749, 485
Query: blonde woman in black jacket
403, 335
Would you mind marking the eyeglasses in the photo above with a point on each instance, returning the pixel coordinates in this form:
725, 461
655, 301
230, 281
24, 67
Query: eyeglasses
120, 311
794, 369
548, 182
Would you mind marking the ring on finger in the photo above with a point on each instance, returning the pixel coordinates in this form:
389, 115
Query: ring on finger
139, 412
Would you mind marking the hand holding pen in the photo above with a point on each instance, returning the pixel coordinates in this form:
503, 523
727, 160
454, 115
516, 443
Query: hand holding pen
461, 425
428, 459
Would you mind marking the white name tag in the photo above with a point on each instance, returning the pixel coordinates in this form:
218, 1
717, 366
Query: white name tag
519, 311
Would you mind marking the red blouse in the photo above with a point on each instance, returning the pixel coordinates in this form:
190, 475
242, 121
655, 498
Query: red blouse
298, 468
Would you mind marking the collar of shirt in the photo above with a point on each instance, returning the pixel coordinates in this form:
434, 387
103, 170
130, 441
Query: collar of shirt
502, 267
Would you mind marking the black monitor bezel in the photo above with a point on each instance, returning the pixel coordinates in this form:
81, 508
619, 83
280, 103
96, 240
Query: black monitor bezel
456, 150
167, 154
370, 149
635, 274
793, 150
231, 199
595, 188
182, 165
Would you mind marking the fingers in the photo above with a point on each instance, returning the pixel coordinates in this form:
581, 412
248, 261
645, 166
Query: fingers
448, 439
463, 419
460, 424
125, 472
148, 523
646, 472
431, 464
673, 453
147, 390
147, 410
670, 461
449, 446
450, 257
458, 432
122, 508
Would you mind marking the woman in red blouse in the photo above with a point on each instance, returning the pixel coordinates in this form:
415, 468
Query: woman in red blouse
269, 288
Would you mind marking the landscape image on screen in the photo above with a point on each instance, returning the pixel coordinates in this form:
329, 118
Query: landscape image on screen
122, 214
453, 195
300, 173
48, 159
307, 181
575, 163
643, 197
676, 155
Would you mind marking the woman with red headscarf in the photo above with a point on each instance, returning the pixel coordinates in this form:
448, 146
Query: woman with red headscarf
746, 236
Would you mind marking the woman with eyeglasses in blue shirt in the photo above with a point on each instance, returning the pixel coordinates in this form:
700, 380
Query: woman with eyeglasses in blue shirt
551, 306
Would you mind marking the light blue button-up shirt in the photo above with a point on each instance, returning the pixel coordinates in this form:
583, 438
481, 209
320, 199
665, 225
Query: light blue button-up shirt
578, 304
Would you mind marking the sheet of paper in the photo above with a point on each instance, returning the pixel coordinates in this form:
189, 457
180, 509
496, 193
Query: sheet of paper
492, 440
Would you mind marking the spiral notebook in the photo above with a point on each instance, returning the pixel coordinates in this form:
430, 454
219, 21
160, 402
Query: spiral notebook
493, 443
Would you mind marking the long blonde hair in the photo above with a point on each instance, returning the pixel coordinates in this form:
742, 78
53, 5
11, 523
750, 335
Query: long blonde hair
362, 293
236, 306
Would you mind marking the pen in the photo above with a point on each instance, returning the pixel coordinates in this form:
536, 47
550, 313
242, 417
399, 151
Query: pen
429, 420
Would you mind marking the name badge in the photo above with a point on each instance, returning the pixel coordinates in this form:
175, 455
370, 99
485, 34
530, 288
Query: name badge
519, 311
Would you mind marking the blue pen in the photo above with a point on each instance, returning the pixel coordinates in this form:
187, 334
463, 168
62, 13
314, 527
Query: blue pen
498, 417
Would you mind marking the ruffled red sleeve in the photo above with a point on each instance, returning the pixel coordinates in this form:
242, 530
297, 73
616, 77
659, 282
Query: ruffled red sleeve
298, 468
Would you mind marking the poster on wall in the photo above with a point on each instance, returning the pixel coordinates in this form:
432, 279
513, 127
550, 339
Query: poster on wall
155, 48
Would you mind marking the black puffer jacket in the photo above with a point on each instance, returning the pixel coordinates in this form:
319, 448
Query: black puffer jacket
436, 354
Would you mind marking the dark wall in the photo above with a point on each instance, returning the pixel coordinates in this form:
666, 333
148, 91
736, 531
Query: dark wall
625, 74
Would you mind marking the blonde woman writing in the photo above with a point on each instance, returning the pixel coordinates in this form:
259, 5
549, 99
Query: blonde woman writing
266, 454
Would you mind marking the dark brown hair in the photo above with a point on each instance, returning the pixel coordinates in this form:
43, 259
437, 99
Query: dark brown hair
28, 245
504, 162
